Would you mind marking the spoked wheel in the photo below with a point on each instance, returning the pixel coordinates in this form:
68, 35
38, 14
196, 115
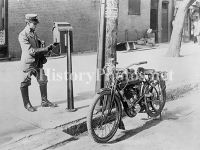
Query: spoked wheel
155, 101
103, 118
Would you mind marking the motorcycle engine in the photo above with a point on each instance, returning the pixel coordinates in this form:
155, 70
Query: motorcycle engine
130, 98
130, 93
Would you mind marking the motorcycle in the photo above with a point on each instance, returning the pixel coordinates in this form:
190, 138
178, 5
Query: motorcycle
141, 91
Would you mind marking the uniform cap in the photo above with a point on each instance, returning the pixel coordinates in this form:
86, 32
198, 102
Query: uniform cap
31, 18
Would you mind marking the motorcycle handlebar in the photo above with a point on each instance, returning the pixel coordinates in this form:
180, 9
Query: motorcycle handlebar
142, 62
139, 63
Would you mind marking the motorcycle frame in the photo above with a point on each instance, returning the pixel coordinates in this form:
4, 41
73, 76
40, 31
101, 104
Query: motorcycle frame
115, 91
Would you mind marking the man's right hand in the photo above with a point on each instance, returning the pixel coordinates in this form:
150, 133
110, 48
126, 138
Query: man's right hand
50, 47
45, 49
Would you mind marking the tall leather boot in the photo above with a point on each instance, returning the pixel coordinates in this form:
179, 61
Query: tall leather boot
25, 97
45, 102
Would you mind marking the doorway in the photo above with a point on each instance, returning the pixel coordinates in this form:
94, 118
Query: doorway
3, 28
154, 18
165, 10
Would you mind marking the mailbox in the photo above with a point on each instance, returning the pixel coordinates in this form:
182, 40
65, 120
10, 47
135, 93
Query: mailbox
60, 35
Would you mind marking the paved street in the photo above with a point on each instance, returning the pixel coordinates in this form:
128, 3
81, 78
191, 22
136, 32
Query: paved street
17, 123
178, 130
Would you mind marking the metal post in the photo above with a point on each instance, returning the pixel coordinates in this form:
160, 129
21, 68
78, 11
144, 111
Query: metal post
101, 49
108, 29
69, 45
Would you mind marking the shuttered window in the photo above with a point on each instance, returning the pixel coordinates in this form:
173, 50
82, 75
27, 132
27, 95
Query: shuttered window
134, 7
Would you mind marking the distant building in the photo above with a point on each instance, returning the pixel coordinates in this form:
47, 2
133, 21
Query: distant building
154, 14
135, 17
193, 14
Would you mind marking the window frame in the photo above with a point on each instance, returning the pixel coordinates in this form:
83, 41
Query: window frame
131, 8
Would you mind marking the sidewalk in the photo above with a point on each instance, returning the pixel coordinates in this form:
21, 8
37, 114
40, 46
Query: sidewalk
17, 123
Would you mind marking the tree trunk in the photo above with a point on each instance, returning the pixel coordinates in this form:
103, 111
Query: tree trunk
108, 30
175, 42
111, 15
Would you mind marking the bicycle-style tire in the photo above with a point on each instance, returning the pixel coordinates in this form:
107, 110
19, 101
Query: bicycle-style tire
100, 122
151, 110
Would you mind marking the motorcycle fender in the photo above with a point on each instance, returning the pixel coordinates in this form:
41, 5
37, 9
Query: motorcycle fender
103, 89
163, 84
107, 89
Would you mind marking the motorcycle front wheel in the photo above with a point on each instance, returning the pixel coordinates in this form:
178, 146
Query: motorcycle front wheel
103, 117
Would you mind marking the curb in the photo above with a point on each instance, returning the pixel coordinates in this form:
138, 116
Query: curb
68, 132
172, 94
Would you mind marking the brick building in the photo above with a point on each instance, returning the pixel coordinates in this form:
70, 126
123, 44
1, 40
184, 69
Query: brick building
82, 14
135, 17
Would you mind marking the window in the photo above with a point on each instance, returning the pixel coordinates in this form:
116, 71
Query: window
134, 7
2, 22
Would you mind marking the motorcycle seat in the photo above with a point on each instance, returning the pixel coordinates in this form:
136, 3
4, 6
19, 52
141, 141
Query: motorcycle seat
149, 71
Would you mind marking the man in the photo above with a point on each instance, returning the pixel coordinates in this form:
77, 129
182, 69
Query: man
32, 59
197, 29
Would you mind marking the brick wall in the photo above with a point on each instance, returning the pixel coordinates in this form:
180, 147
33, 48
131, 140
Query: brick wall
83, 16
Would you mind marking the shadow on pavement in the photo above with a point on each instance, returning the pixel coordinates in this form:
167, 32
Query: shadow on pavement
81, 96
129, 133
84, 95
167, 115
62, 102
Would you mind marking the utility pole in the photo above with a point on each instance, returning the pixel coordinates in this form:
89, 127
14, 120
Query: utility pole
69, 45
108, 28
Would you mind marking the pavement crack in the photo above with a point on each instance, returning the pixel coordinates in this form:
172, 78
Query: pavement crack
62, 143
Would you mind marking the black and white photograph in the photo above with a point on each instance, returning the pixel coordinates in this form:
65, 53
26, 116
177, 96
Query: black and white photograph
99, 74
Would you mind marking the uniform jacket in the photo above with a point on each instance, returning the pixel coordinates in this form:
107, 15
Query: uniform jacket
197, 28
29, 43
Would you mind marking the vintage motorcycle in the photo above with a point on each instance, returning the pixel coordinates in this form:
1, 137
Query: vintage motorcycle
141, 91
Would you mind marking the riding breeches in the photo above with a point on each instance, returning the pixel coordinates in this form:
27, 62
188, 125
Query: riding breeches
38, 73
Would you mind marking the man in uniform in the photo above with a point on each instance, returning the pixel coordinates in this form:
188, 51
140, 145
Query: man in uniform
32, 59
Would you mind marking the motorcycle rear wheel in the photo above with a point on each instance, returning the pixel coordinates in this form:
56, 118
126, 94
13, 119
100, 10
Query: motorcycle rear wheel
156, 102
101, 124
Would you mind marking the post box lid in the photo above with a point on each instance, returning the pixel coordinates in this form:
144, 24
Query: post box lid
57, 23
62, 26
